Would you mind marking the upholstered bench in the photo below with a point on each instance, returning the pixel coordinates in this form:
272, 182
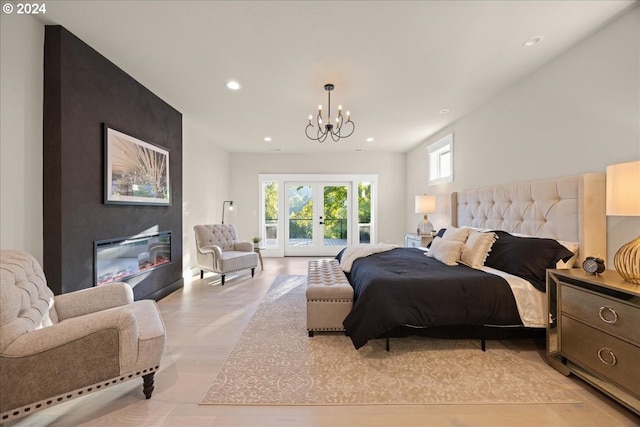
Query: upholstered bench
329, 296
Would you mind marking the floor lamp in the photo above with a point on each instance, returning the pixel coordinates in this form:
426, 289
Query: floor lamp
230, 207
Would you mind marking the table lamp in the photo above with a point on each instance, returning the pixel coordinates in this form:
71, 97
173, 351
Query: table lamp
425, 204
623, 199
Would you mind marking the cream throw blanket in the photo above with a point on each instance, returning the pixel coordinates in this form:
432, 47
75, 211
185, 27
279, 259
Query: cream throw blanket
352, 253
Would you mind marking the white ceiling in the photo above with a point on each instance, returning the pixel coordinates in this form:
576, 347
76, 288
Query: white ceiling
395, 64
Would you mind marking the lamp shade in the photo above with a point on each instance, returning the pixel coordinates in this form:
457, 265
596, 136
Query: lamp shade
425, 204
623, 189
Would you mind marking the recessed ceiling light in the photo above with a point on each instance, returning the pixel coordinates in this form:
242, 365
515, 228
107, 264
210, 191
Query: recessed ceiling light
532, 42
369, 139
233, 85
444, 111
268, 139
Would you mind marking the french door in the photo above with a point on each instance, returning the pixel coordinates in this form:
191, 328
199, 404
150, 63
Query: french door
318, 218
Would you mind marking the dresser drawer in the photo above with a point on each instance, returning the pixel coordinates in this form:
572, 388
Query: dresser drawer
605, 313
586, 346
416, 240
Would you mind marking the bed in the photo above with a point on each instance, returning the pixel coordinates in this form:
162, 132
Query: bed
398, 291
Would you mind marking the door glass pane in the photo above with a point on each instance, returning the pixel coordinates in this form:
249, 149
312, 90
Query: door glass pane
364, 212
335, 215
300, 215
270, 232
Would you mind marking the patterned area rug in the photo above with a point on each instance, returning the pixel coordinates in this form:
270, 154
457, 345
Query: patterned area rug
276, 363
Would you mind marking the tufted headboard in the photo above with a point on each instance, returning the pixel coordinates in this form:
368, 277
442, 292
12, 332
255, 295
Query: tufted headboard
569, 208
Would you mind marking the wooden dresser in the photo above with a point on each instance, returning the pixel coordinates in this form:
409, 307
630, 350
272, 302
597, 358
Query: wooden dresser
594, 331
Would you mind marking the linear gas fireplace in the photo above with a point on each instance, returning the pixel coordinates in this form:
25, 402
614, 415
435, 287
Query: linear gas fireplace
116, 260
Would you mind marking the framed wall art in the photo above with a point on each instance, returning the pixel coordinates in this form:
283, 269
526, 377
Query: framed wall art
137, 172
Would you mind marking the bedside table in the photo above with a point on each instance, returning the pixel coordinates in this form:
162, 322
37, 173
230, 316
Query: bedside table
413, 240
593, 331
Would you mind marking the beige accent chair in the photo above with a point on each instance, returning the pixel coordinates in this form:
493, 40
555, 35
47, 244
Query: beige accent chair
57, 348
218, 250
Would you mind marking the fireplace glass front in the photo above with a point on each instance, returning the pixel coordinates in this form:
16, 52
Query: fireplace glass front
117, 260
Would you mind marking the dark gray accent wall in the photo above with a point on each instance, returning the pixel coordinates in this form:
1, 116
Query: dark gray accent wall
82, 91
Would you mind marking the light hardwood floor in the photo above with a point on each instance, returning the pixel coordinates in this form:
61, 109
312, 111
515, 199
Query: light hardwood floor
203, 322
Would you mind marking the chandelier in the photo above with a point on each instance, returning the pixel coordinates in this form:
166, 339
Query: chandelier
322, 131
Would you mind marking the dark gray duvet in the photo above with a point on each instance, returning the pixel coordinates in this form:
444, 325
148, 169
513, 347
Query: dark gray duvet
405, 287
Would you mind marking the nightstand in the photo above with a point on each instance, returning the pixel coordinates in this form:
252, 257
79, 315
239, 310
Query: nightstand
593, 331
413, 240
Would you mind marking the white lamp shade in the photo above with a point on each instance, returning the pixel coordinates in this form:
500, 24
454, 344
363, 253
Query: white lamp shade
623, 189
425, 204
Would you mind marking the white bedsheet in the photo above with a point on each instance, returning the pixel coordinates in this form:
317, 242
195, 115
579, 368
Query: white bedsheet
352, 253
532, 304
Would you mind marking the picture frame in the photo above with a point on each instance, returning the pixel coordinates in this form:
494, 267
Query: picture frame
136, 172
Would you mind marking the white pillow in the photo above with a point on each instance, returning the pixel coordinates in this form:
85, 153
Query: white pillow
573, 247
477, 248
446, 251
457, 234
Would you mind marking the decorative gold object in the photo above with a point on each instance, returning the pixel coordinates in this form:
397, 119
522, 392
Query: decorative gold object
627, 261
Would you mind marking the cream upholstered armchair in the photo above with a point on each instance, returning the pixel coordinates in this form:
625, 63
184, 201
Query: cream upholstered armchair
57, 348
218, 250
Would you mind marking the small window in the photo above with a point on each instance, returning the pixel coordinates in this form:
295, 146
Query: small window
441, 160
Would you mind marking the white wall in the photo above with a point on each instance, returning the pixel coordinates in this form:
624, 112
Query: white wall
244, 189
21, 76
205, 185
577, 114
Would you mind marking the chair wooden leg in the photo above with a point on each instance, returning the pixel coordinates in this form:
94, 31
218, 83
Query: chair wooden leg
202, 274
147, 385
222, 280
253, 272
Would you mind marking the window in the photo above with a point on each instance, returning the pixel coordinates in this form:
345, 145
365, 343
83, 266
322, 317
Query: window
441, 160
364, 212
270, 220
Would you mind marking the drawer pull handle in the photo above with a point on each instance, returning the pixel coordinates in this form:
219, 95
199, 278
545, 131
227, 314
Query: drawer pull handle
612, 357
610, 310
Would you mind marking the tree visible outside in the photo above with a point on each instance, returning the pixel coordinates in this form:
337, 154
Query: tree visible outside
334, 215
335, 212
364, 212
271, 209
301, 211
